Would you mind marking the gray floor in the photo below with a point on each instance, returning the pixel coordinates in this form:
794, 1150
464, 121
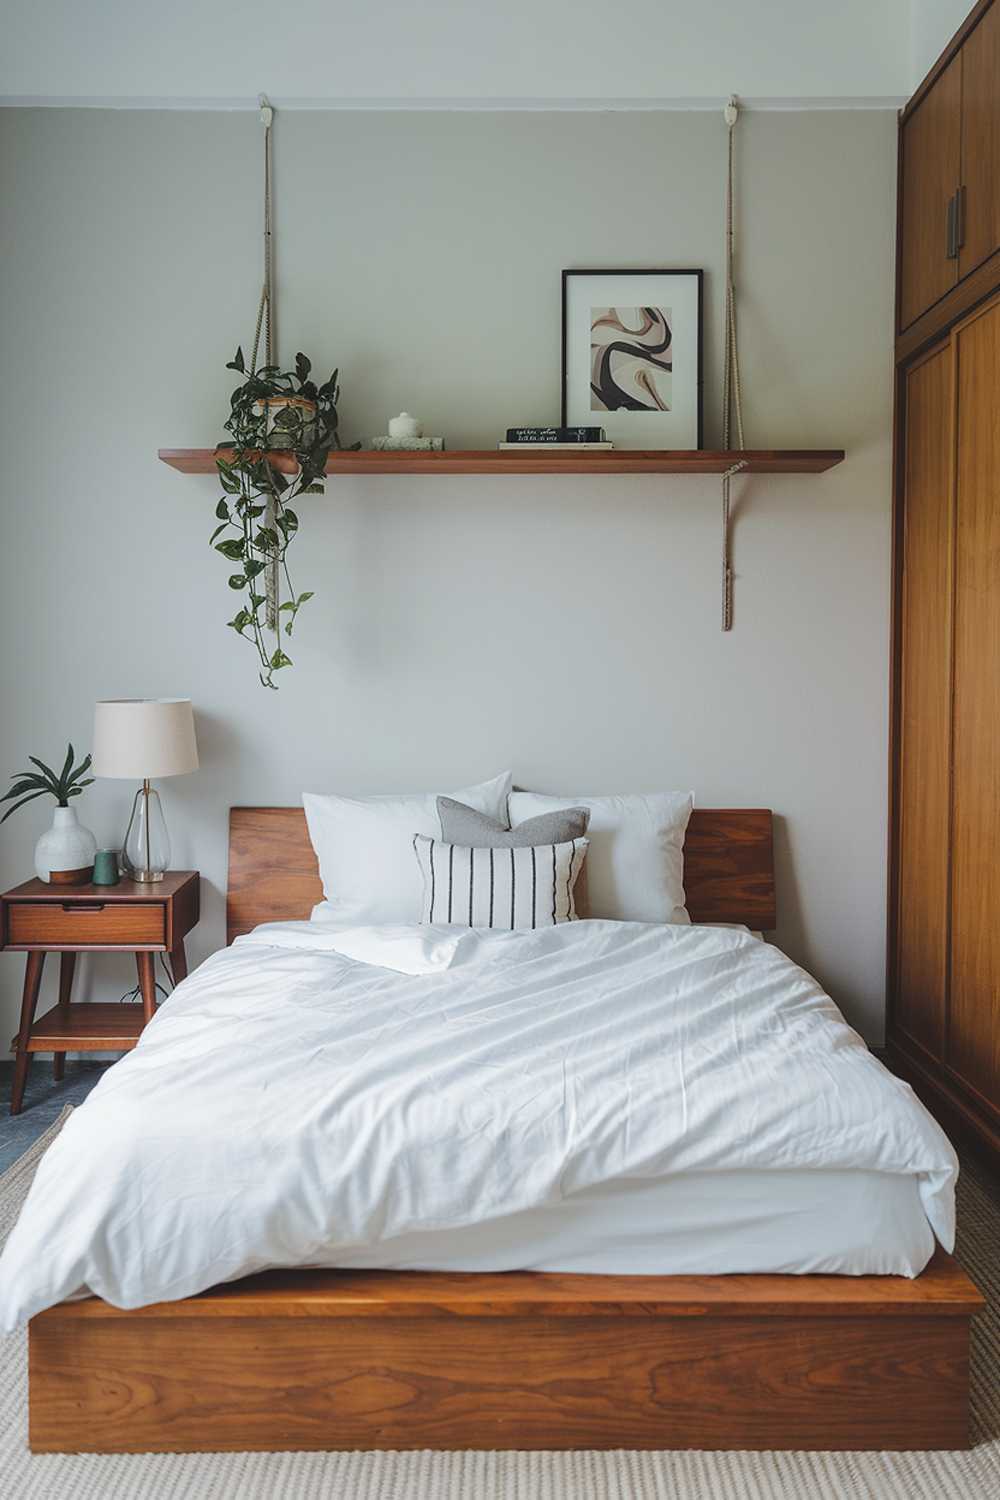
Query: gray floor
43, 1100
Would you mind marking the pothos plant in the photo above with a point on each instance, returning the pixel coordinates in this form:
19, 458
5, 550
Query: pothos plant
282, 425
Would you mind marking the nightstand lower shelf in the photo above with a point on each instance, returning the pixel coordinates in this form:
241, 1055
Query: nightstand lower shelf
87, 1028
132, 917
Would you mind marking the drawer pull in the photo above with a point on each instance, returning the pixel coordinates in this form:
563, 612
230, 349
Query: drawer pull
78, 906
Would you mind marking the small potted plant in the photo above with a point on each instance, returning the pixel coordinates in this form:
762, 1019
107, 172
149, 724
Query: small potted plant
65, 853
283, 426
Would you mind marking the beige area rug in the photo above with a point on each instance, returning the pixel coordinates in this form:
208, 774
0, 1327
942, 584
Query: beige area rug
973, 1475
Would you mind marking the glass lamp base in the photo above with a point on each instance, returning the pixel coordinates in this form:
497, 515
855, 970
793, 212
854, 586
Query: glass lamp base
146, 851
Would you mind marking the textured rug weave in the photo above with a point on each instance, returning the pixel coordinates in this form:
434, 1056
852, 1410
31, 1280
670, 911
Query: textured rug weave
973, 1475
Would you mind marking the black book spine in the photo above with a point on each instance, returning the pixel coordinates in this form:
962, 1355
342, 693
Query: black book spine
555, 434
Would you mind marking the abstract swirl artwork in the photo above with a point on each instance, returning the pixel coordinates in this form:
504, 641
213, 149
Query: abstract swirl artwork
631, 356
631, 359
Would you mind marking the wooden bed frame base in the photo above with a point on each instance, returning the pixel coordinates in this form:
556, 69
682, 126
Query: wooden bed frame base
396, 1360
340, 1359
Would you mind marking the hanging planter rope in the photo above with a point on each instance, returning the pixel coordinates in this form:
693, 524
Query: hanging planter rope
265, 319
282, 426
732, 393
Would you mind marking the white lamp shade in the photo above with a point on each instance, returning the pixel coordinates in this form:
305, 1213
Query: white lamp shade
139, 738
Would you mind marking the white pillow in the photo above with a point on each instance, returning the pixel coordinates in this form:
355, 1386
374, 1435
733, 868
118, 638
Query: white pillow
365, 848
635, 864
507, 889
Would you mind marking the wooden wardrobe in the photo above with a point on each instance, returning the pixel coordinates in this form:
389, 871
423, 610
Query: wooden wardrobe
944, 911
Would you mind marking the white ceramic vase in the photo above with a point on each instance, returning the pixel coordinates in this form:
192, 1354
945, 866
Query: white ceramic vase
65, 854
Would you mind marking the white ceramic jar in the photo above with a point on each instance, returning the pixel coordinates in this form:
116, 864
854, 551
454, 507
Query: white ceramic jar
65, 854
405, 426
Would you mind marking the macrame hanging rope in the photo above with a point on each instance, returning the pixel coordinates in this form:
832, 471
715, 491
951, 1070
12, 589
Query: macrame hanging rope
265, 324
732, 392
265, 312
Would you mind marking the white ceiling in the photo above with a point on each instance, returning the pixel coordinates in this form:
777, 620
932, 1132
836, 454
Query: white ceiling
446, 53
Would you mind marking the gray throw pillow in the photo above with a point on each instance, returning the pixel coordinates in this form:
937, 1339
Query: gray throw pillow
475, 830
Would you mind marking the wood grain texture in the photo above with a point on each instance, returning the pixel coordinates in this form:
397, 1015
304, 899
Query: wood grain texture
945, 57
131, 917
980, 226
145, 965
273, 875
974, 1010
178, 962
93, 1027
84, 925
923, 805
67, 968
960, 1111
126, 891
942, 1290
29, 1000
931, 164
290, 1383
79, 876
494, 461
729, 867
183, 910
963, 299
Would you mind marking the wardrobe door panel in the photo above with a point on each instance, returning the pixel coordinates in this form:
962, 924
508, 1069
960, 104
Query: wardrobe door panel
980, 214
931, 152
974, 1015
925, 704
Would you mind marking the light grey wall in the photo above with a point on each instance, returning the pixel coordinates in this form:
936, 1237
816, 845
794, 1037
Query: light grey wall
567, 627
933, 23
439, 50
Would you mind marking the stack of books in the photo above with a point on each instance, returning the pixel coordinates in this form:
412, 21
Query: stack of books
576, 438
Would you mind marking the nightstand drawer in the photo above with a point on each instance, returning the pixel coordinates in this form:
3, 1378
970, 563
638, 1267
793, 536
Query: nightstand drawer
79, 924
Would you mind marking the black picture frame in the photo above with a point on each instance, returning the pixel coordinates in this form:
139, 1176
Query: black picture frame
618, 271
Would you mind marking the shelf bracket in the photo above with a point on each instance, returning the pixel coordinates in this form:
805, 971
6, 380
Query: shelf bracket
727, 564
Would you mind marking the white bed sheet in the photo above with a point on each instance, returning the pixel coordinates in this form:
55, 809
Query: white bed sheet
699, 1224
315, 1097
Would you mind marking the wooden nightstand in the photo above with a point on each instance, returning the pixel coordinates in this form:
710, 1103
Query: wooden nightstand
36, 919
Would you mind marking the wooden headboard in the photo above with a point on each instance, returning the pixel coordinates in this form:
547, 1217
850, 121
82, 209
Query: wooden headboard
273, 875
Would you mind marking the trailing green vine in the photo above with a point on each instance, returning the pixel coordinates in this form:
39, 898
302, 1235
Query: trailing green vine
276, 418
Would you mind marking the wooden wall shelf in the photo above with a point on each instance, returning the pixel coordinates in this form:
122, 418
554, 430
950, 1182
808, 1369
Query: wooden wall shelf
494, 461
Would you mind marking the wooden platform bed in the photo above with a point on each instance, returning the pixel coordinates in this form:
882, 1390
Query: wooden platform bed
365, 1360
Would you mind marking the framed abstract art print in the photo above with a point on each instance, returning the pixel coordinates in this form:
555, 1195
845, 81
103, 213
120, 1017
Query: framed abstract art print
631, 355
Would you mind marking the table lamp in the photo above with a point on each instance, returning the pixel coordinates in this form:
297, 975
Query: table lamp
143, 738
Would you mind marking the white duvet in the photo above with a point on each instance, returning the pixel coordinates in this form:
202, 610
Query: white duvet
296, 1098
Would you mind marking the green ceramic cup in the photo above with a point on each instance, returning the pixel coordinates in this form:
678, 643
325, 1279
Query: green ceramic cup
106, 867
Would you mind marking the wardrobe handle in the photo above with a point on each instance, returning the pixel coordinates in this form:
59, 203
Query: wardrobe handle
951, 219
960, 218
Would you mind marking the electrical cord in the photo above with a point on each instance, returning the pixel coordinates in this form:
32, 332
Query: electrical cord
132, 996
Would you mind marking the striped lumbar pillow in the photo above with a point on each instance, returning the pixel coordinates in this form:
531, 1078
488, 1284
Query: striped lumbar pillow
499, 888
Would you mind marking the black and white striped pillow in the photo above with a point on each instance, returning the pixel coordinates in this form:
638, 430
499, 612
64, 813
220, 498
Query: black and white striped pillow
500, 888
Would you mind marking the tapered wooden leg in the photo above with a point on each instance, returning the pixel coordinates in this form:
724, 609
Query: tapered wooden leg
67, 964
32, 979
146, 964
178, 962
